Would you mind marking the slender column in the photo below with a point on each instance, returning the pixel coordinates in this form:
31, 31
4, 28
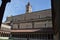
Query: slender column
27, 36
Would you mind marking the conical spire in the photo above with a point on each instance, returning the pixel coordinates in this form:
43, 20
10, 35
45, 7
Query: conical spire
28, 3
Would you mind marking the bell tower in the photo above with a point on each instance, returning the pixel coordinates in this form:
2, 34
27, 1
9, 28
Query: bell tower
28, 8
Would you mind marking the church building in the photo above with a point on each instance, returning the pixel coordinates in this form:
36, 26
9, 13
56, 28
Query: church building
31, 25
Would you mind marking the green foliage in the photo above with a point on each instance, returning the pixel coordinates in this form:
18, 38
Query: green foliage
6, 39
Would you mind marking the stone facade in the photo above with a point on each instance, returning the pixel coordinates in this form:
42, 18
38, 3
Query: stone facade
32, 15
31, 26
39, 19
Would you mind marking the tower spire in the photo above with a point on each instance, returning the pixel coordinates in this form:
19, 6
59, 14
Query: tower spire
28, 7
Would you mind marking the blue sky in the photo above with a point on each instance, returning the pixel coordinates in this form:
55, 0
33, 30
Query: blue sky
16, 7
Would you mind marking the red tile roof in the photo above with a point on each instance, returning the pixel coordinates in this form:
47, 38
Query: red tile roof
29, 30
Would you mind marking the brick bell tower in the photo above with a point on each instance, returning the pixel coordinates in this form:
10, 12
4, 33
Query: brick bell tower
28, 8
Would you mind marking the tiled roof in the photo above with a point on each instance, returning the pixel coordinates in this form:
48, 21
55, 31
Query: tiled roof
34, 30
32, 15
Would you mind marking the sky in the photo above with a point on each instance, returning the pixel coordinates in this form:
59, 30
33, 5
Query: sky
17, 7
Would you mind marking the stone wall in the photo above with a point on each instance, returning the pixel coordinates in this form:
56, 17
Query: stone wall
44, 24
25, 25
